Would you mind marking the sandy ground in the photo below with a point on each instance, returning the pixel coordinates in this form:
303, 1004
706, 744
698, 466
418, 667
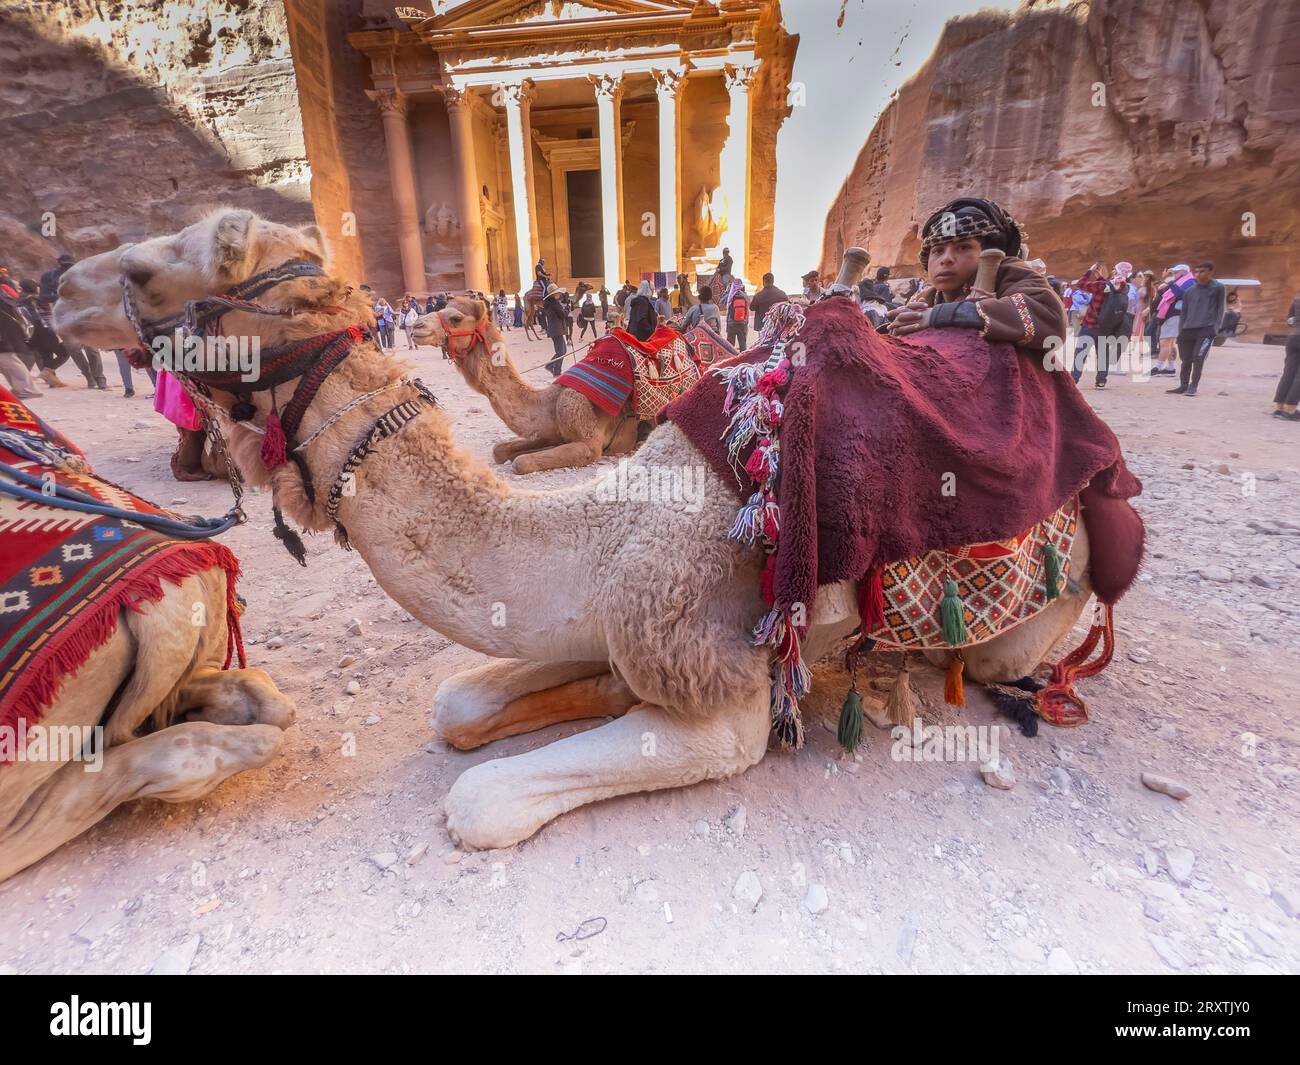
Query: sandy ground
323, 862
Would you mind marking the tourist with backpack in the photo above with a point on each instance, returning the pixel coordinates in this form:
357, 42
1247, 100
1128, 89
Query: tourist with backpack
738, 317
1097, 288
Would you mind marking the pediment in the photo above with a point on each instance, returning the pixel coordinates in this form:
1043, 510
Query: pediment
474, 13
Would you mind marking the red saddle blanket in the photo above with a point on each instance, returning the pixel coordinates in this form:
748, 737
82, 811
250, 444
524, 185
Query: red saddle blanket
651, 373
65, 575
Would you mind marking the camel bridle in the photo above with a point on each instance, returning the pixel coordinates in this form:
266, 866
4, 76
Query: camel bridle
308, 361
479, 333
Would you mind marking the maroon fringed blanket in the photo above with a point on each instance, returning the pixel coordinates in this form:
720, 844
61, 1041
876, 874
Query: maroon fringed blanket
889, 448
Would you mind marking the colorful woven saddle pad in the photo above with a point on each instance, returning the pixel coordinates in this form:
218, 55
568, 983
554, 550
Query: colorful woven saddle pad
650, 373
1000, 585
65, 575
708, 346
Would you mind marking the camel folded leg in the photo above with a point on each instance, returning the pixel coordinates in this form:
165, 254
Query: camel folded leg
499, 803
511, 449
177, 764
576, 453
509, 697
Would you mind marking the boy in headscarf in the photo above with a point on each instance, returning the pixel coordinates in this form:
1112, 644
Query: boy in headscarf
1022, 310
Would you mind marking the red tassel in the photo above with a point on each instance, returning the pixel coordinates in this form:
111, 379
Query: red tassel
954, 691
871, 601
275, 450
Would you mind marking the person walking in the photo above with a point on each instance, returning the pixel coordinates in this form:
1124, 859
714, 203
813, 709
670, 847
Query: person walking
1144, 296
738, 316
705, 312
587, 318
556, 324
1094, 287
124, 369
501, 315
1169, 312
410, 315
765, 299
1287, 396
663, 305
1204, 304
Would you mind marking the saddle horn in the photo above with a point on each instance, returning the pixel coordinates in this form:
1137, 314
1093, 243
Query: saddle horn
852, 267
986, 277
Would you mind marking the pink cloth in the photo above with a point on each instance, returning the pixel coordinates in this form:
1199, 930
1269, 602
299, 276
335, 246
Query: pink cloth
173, 403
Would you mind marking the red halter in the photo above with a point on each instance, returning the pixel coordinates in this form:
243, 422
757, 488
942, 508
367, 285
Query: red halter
478, 331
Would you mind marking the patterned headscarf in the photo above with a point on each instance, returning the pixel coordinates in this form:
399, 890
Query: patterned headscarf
971, 217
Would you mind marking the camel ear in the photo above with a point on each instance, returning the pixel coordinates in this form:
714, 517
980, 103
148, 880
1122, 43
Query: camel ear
231, 239
316, 238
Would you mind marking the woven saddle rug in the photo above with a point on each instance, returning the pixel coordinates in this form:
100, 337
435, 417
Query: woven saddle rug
65, 575
650, 373
999, 585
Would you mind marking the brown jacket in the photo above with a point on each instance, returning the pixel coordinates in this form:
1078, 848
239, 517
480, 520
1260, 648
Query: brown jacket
1025, 310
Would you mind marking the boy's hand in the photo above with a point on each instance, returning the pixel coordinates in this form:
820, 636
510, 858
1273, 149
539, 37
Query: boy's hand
909, 318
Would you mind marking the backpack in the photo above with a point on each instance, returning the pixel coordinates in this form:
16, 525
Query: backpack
1113, 309
740, 309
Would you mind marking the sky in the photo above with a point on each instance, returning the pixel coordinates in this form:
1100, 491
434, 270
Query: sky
848, 74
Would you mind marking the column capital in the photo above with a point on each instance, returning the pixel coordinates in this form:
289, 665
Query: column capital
513, 93
389, 101
607, 86
453, 96
668, 80
739, 76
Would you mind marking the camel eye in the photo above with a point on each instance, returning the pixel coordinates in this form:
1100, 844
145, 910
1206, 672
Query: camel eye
139, 276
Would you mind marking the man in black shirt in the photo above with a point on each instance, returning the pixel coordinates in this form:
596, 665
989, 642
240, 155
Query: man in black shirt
765, 299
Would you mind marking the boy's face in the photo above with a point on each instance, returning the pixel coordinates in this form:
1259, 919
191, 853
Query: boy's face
952, 266
1204, 275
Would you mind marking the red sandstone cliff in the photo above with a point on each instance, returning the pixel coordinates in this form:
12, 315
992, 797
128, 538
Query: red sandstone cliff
121, 119
1110, 130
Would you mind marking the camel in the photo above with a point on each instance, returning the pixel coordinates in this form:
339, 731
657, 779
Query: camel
592, 607
554, 426
175, 723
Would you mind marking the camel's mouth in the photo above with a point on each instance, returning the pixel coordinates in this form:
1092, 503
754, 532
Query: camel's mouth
89, 307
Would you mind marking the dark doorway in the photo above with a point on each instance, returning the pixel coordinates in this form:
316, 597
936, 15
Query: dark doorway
585, 229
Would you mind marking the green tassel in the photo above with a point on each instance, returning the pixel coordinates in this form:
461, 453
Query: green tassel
850, 731
951, 615
1052, 564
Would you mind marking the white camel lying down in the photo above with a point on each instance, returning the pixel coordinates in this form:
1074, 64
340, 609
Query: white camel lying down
639, 611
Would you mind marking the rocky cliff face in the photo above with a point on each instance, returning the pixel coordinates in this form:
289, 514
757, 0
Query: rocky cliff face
121, 119
1158, 132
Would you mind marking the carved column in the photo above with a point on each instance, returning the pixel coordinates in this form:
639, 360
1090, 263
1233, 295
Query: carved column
517, 99
401, 177
668, 85
473, 245
609, 94
734, 165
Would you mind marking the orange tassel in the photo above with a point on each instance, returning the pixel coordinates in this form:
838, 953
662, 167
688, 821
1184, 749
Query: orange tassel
954, 691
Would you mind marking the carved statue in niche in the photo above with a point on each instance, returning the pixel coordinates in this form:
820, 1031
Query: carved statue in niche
710, 217
442, 225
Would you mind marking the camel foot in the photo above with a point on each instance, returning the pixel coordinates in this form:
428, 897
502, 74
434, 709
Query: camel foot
501, 802
235, 697
508, 450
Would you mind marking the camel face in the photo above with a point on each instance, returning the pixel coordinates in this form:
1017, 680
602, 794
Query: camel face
460, 314
167, 272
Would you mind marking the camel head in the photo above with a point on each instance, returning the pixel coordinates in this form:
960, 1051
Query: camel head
458, 327
164, 274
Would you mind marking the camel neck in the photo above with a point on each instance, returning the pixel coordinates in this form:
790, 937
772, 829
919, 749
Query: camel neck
442, 535
489, 370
